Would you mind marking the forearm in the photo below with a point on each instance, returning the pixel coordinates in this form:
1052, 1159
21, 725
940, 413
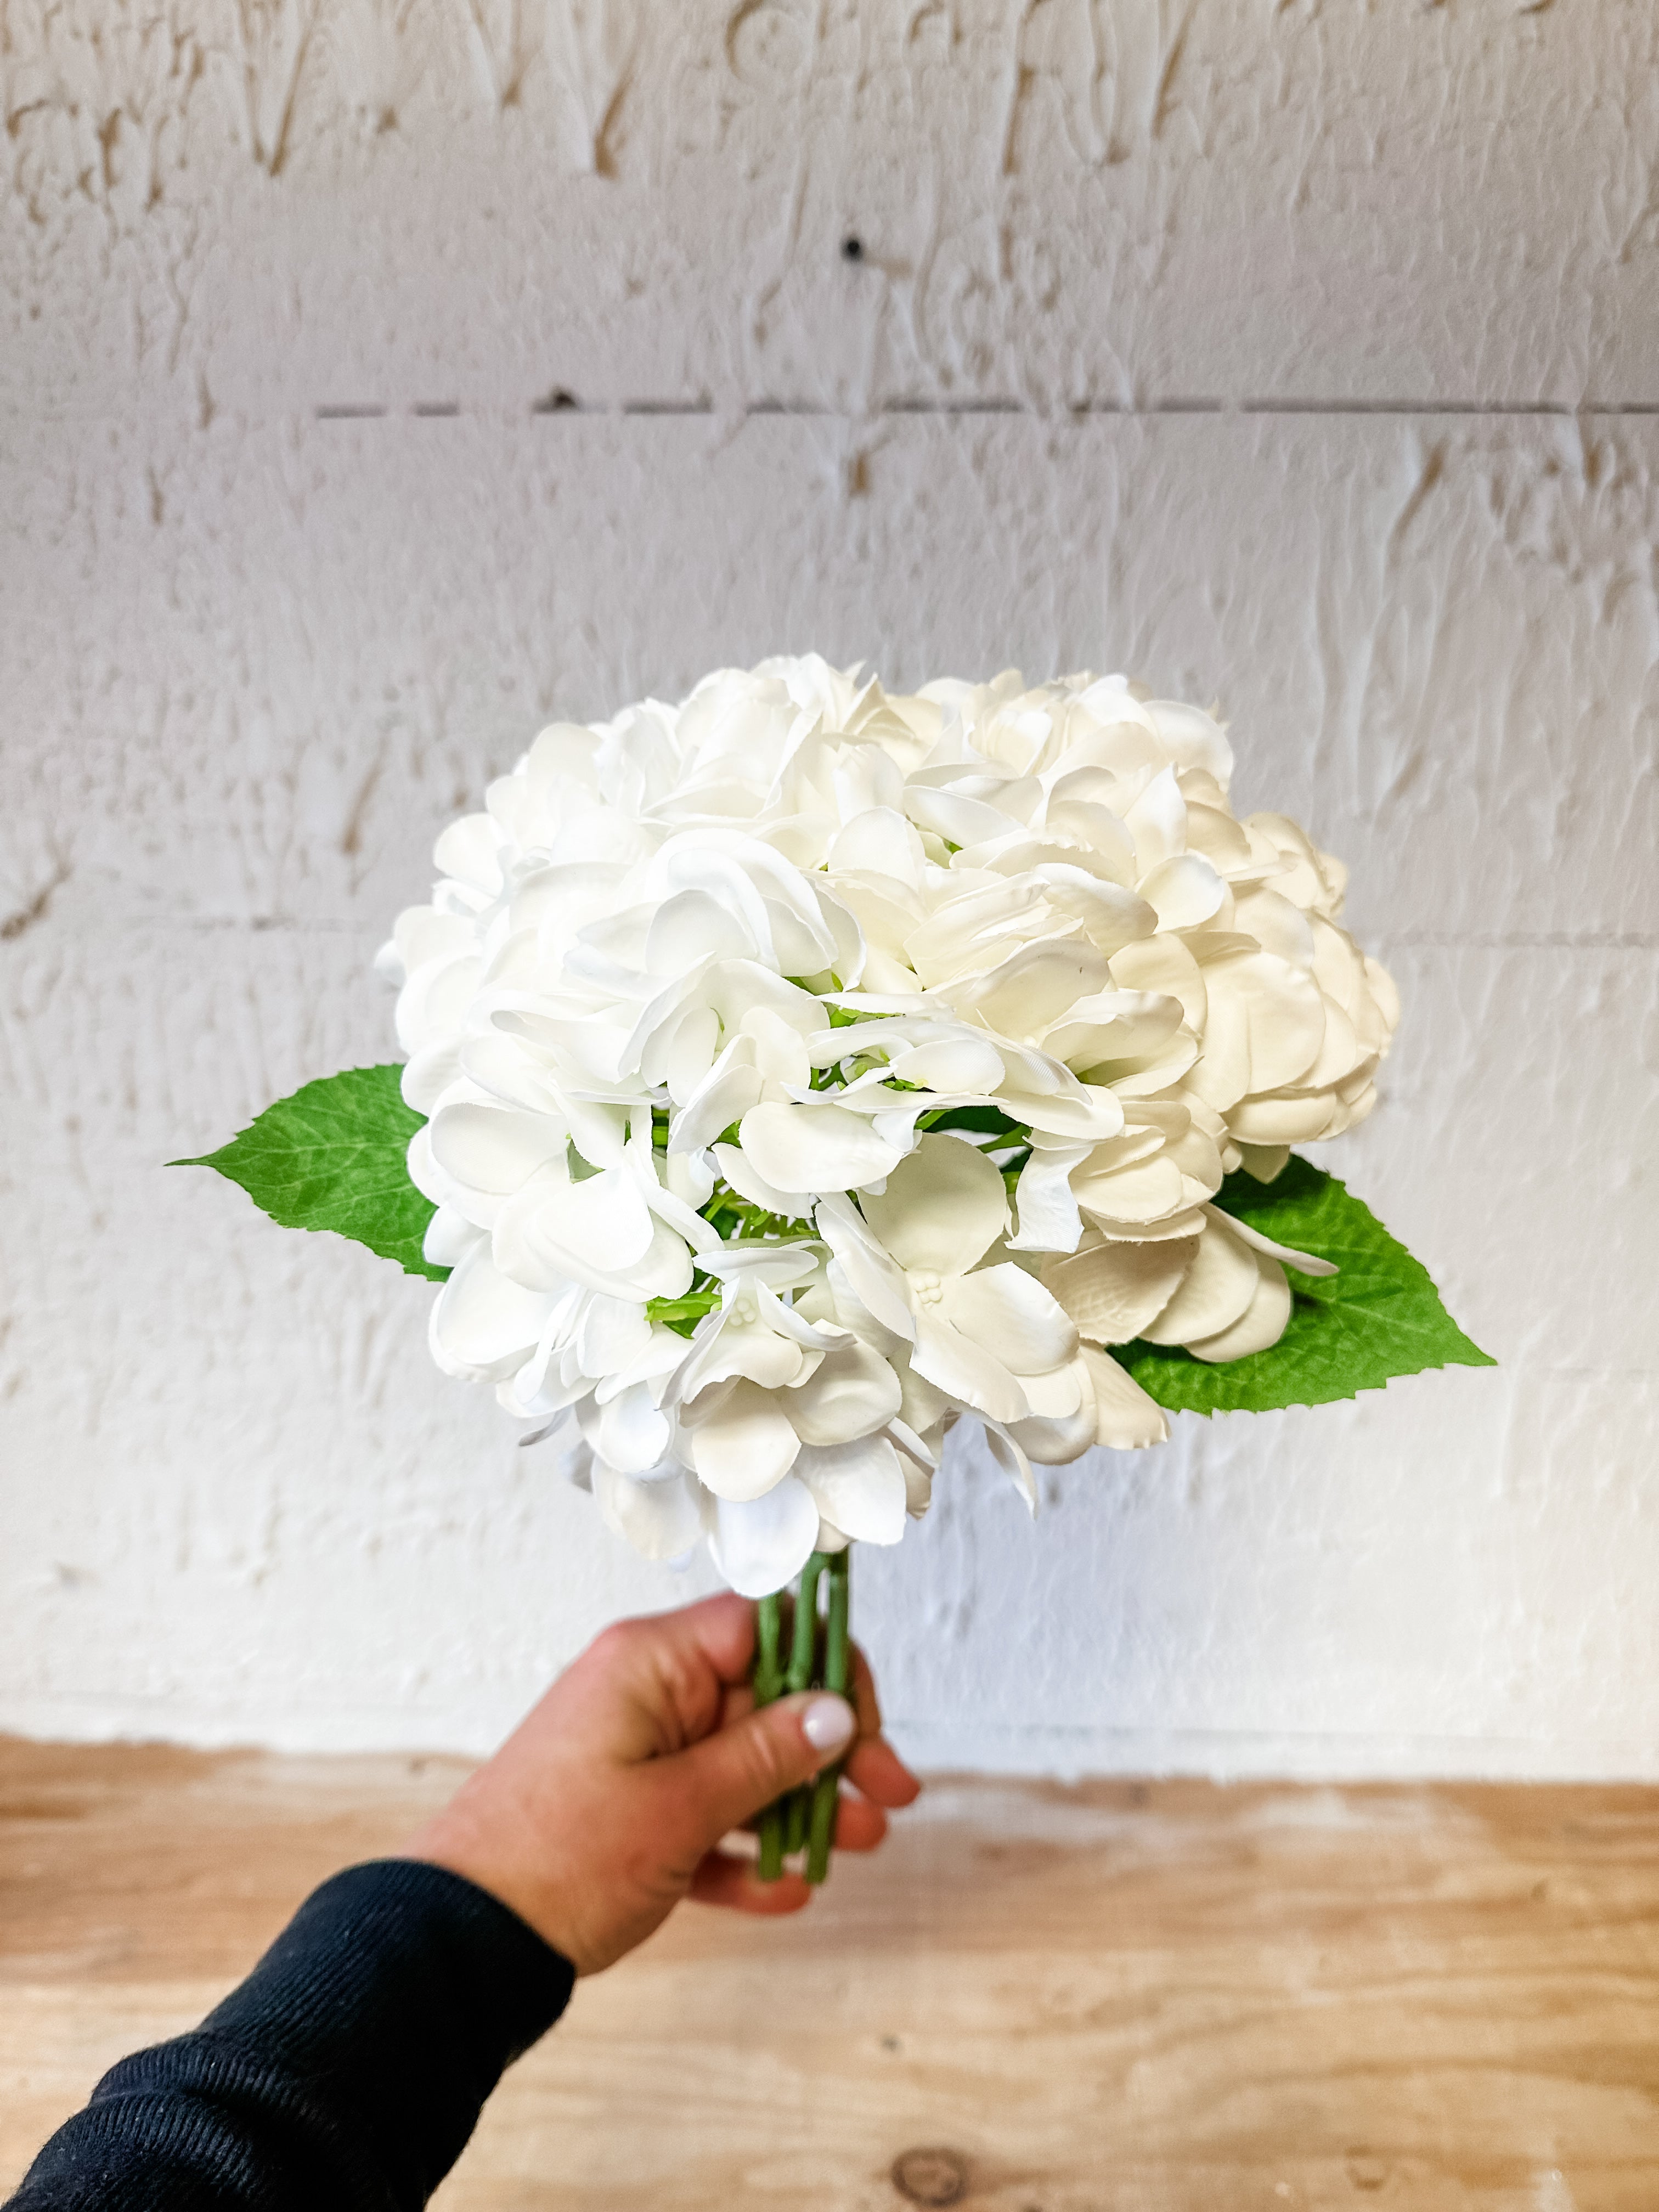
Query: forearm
345, 2074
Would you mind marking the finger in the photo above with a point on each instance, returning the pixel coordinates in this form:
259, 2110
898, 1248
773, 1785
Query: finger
859, 1825
881, 1774
720, 1630
722, 1878
737, 1700
661, 1682
862, 1692
726, 1779
866, 1828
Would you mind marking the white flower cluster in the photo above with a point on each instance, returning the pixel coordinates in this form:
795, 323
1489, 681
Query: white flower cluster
808, 1067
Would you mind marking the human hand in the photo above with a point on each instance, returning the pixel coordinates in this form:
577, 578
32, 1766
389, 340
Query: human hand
606, 1805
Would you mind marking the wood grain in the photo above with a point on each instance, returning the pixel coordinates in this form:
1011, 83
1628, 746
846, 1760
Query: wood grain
1167, 1997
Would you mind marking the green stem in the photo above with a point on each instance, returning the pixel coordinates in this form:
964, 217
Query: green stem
803, 1669
797, 1811
805, 1650
827, 1789
768, 1683
770, 1865
768, 1671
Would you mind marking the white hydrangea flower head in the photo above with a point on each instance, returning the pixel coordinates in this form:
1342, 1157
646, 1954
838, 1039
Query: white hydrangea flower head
808, 1068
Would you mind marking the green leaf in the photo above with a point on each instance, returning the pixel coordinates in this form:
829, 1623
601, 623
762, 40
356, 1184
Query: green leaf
981, 1120
1379, 1317
683, 1314
332, 1157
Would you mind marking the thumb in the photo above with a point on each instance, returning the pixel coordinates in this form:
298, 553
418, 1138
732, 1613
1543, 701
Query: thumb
737, 1772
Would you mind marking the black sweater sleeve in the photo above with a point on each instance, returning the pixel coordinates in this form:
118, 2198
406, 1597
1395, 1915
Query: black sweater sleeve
344, 2075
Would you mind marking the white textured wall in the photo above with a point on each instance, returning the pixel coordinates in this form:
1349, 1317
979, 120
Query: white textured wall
1300, 354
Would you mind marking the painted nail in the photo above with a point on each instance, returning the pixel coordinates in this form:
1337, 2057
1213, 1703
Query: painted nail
828, 1724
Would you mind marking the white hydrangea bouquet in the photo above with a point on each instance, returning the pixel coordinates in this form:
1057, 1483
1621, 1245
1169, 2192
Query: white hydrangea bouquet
796, 1073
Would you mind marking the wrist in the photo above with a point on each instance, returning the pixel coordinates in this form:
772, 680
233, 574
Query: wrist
463, 1845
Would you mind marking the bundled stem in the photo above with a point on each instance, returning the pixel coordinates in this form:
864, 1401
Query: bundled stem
819, 1659
803, 1675
769, 1685
826, 1791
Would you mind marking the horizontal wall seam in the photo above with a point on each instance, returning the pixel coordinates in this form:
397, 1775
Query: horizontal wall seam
1081, 410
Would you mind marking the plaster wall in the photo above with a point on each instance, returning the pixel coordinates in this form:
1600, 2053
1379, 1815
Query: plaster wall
381, 378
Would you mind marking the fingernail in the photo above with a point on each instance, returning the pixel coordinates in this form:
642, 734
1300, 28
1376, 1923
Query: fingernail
828, 1724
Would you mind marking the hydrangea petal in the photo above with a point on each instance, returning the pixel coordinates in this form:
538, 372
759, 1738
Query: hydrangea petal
942, 1207
1216, 1290
851, 1393
740, 1171
1126, 1419
555, 1228
690, 927
1145, 1190
1283, 1012
859, 1487
612, 1334
1305, 1263
962, 1062
1192, 738
1183, 891
1064, 1420
803, 1149
1262, 1323
1034, 987
660, 1520
732, 1086
483, 1323
1009, 1312
1112, 1290
729, 1344
1265, 1162
494, 1148
1048, 1218
1290, 1120
627, 1433
449, 1238
870, 1274
762, 1544
1009, 1454
743, 1443
965, 1371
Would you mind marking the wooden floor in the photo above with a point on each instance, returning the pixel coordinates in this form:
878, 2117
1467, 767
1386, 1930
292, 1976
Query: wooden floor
1125, 1997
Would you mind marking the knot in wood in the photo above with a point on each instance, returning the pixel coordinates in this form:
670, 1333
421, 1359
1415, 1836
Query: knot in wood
1365, 2169
930, 2177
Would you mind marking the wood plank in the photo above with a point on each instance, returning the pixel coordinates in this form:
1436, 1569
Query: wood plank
1169, 1997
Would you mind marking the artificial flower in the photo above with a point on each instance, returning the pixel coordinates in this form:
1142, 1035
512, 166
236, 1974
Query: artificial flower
806, 1069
